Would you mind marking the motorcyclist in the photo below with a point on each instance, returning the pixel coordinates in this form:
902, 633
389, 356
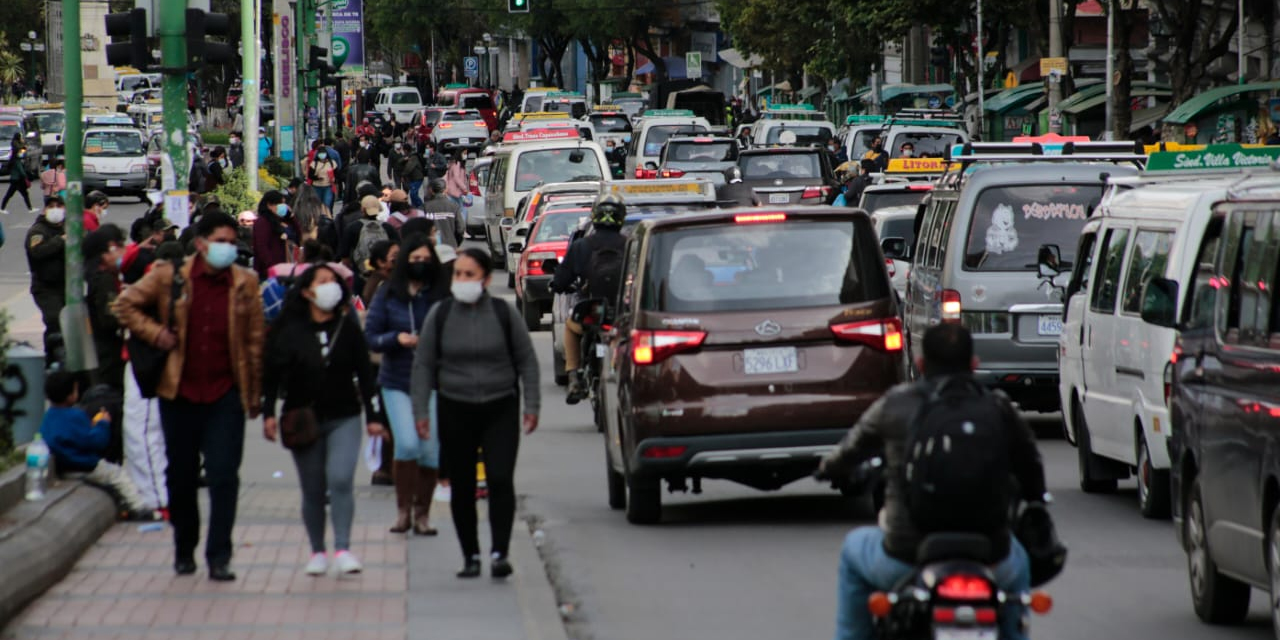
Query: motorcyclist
877, 558
607, 215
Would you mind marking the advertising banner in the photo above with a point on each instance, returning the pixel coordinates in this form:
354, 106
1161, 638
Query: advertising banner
348, 37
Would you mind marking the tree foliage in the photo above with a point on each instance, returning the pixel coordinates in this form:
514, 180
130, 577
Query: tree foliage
1197, 37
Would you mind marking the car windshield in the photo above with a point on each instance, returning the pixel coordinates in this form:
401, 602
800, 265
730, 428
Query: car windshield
532, 103
862, 142
611, 124
658, 135
804, 135
559, 225
477, 101
780, 165
132, 83
112, 144
556, 165
51, 122
904, 228
1010, 223
405, 97
7, 131
873, 201
927, 145
726, 151
767, 266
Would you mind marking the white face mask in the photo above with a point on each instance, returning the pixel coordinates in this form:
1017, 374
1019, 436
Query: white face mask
467, 291
383, 215
327, 295
56, 215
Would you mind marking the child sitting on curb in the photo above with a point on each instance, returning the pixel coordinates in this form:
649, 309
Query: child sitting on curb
78, 445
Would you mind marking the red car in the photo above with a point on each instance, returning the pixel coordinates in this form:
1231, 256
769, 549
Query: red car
480, 100
425, 122
549, 240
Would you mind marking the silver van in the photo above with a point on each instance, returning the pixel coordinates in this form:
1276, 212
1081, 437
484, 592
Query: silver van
978, 239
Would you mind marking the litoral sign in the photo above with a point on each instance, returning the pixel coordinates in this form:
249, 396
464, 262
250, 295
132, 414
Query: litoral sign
1217, 156
917, 165
540, 134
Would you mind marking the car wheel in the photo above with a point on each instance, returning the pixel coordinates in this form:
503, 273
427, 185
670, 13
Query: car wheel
1217, 598
617, 486
532, 313
1085, 456
644, 502
1153, 485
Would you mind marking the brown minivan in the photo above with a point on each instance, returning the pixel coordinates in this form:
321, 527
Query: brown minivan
744, 345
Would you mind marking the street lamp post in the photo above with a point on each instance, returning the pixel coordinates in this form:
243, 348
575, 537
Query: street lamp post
31, 45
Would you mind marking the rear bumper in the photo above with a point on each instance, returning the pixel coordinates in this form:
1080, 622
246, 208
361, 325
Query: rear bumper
1032, 389
537, 289
129, 182
719, 455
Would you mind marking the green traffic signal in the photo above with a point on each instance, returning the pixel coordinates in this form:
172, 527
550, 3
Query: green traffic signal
517, 6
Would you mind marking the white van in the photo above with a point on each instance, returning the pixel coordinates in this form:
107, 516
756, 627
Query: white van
519, 166
402, 101
655, 127
115, 161
1112, 363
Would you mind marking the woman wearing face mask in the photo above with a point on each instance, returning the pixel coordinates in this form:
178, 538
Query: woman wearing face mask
396, 316
475, 354
456, 185
274, 233
321, 175
382, 259
317, 336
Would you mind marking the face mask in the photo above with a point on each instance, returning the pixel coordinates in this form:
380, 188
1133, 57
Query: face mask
422, 271
327, 296
907, 153
321, 156
467, 291
55, 215
383, 215
119, 262
220, 255
282, 210
235, 141
103, 214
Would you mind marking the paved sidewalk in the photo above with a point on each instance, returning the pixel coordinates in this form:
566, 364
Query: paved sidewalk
125, 588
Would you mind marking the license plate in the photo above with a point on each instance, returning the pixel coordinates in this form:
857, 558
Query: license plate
113, 183
1049, 326
779, 198
953, 633
464, 140
764, 361
600, 350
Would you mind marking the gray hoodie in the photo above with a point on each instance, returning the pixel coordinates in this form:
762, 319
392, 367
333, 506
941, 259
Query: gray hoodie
475, 365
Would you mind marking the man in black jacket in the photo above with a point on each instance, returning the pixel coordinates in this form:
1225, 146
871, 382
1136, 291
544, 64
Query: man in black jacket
607, 215
102, 277
46, 258
876, 558
362, 171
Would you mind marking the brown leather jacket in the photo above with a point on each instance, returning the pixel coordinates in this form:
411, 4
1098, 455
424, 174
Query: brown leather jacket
137, 304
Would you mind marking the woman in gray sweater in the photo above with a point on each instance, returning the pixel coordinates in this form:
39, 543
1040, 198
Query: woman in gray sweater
476, 354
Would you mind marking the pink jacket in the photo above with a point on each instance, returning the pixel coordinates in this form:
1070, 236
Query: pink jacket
455, 181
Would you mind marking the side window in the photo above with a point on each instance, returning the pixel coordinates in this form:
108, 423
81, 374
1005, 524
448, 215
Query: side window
944, 236
1240, 295
630, 269
1253, 272
1084, 263
1204, 293
920, 254
1147, 260
1107, 277
929, 232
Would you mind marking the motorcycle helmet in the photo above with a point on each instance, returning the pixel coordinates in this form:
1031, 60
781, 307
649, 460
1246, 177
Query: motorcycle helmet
609, 210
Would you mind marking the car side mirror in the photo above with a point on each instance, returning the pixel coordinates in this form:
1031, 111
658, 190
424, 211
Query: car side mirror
515, 247
522, 232
895, 248
1049, 260
1160, 302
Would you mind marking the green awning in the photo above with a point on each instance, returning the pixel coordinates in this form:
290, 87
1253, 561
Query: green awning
891, 91
1187, 111
1149, 116
1092, 102
1093, 91
809, 92
1011, 98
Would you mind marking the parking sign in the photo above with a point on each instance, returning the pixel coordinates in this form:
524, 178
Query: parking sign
471, 67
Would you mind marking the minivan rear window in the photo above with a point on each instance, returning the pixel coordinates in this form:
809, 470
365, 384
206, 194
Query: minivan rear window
927, 145
556, 165
657, 136
873, 201
789, 265
804, 135
406, 97
1010, 223
726, 151
780, 165
477, 102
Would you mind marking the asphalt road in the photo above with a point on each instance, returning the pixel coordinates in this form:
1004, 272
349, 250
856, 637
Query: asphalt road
734, 563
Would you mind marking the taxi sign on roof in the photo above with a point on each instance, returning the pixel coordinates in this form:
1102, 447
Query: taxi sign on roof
864, 119
605, 107
792, 107
657, 187
1214, 157
917, 165
545, 115
665, 113
534, 135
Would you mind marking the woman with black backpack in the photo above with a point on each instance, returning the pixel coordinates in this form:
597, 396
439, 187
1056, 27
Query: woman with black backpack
475, 354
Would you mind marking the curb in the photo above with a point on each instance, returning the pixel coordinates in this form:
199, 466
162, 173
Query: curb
41, 541
534, 591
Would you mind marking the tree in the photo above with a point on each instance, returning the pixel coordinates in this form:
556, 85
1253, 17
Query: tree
1197, 38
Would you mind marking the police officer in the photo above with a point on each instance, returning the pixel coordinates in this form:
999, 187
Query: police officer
607, 215
46, 257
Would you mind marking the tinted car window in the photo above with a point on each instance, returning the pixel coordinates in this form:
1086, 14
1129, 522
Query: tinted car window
804, 135
7, 129
557, 226
477, 102
900, 228
862, 142
1010, 223
1107, 283
743, 267
1147, 260
51, 122
555, 165
466, 116
781, 165
405, 97
726, 151
657, 136
873, 201
932, 145
112, 143
611, 124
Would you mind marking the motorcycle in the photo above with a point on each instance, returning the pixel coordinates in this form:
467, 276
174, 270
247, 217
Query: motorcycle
591, 314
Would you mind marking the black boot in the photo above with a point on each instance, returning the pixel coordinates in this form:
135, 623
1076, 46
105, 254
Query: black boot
576, 392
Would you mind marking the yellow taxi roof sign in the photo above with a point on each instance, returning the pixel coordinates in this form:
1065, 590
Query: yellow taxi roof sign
916, 165
545, 115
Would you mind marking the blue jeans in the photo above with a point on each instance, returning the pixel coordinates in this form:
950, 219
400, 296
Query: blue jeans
415, 193
408, 446
462, 209
866, 568
326, 195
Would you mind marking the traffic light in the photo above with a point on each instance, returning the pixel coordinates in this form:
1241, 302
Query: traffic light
517, 6
128, 47
319, 61
939, 57
200, 25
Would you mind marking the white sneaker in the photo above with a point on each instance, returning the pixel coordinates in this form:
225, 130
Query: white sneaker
443, 493
347, 562
4, 212
318, 565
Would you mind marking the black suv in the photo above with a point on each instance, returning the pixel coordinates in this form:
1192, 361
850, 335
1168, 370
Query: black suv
788, 175
1223, 383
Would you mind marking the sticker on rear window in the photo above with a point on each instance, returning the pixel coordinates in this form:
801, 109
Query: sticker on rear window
1002, 236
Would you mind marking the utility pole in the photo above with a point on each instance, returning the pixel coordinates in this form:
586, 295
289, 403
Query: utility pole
308, 89
982, 74
249, 65
1110, 110
1055, 51
171, 27
74, 319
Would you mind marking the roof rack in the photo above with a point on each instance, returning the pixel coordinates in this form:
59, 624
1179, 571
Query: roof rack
1049, 148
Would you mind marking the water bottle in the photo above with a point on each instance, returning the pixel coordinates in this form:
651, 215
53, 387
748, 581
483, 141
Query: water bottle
37, 468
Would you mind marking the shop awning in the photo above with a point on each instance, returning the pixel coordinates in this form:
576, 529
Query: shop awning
1012, 98
1187, 111
735, 58
891, 91
809, 92
1099, 99
1149, 116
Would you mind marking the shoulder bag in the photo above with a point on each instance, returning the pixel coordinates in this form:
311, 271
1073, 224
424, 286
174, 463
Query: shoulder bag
299, 427
148, 360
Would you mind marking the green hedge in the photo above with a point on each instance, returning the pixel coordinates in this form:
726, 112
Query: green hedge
214, 138
279, 167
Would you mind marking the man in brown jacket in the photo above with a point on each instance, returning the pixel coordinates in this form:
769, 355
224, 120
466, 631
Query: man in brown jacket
212, 379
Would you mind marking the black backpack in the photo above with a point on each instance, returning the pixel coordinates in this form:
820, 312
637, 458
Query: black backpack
604, 273
956, 462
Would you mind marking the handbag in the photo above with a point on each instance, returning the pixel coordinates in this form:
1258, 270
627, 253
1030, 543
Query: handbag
148, 361
1034, 528
299, 427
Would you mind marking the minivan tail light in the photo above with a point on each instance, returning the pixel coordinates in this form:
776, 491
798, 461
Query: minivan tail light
880, 334
664, 451
475, 184
652, 347
672, 173
815, 192
950, 305
888, 265
756, 218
